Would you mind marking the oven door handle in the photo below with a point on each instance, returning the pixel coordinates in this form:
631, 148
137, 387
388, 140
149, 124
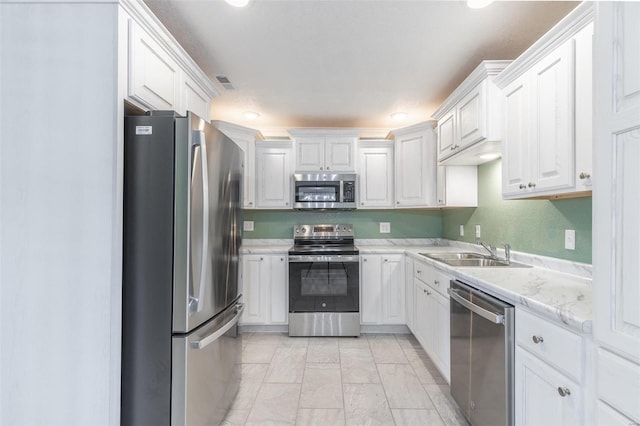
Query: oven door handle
324, 258
491, 316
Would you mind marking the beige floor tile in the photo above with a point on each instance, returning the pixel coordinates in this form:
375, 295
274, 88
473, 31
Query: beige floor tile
412, 417
386, 350
235, 418
294, 341
320, 417
276, 404
246, 395
402, 387
354, 342
258, 353
253, 372
323, 352
448, 410
321, 387
366, 404
358, 366
263, 338
287, 365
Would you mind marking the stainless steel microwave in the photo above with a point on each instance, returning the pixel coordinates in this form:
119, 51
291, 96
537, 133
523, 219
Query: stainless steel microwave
324, 191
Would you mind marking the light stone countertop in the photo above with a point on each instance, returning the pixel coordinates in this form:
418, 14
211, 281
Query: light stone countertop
555, 289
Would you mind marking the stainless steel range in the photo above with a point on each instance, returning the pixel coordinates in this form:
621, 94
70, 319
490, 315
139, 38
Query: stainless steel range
324, 281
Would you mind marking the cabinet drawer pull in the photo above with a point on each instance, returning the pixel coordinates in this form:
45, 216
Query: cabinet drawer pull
327, 167
261, 258
320, 168
386, 260
563, 391
281, 259
364, 260
436, 282
537, 339
584, 175
532, 185
522, 186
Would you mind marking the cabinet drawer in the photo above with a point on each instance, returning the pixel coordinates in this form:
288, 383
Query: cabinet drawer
420, 271
557, 346
618, 383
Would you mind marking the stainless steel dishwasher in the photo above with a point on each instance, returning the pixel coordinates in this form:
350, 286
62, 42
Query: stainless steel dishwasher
482, 355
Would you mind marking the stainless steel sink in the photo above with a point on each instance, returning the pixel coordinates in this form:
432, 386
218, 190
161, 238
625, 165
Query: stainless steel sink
472, 260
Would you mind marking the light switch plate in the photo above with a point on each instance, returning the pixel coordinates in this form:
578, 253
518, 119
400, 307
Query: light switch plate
478, 233
385, 227
570, 239
248, 225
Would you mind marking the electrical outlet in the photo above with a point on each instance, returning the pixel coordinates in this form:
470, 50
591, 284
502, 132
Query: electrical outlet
385, 227
462, 230
478, 233
248, 225
570, 239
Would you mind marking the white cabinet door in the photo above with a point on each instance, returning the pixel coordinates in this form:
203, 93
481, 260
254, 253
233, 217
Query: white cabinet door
552, 156
415, 169
255, 292
393, 300
375, 171
515, 146
279, 294
154, 77
457, 186
249, 196
194, 99
310, 154
273, 175
543, 395
423, 318
616, 203
410, 299
472, 117
339, 154
446, 135
371, 289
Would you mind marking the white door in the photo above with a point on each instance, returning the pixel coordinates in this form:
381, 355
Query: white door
472, 116
255, 281
279, 294
446, 135
273, 175
393, 311
310, 154
616, 204
515, 147
376, 176
371, 289
339, 154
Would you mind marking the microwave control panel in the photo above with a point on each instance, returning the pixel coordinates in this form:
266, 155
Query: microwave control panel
349, 192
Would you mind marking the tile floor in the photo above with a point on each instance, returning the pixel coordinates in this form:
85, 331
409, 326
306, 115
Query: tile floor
376, 379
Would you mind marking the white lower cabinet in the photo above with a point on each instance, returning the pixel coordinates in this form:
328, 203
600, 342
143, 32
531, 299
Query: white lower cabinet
432, 315
410, 294
382, 292
548, 372
265, 292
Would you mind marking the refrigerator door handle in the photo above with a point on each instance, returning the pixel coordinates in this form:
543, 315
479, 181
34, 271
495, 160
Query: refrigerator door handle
202, 343
195, 300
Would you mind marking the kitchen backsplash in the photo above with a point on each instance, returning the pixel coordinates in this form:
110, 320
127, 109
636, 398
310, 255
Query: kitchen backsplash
530, 226
404, 223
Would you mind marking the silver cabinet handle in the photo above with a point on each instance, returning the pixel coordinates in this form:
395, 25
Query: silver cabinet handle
584, 175
261, 259
364, 260
327, 167
397, 202
436, 282
537, 339
250, 202
424, 291
386, 260
522, 186
362, 203
563, 391
320, 168
532, 185
418, 271
281, 259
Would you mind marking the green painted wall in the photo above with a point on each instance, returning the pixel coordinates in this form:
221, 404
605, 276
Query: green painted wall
531, 226
404, 223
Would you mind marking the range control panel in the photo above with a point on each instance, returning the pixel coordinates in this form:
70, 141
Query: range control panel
323, 231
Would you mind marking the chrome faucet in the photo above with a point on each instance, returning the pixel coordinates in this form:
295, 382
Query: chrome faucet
491, 249
507, 253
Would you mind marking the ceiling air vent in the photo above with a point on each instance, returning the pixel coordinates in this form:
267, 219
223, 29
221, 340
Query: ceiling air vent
226, 83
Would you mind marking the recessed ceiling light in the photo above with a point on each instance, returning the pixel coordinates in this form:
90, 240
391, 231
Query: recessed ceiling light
477, 4
399, 116
251, 115
238, 3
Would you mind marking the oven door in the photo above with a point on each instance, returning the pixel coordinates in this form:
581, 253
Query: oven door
324, 283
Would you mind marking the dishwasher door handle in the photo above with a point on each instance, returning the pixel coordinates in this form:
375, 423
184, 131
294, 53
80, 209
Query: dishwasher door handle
491, 316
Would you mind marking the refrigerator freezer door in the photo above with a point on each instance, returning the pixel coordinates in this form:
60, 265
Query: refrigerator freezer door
206, 371
208, 182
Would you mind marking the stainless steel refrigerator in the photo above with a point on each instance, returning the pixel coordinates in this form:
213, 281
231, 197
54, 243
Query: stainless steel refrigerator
182, 233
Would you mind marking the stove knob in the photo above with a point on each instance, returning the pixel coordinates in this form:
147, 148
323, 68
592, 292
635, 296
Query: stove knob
297, 230
303, 230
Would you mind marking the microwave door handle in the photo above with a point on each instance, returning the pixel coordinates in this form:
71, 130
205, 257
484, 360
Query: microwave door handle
201, 146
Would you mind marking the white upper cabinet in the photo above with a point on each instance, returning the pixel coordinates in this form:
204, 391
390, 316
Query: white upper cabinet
273, 174
469, 120
547, 113
457, 186
323, 150
246, 139
375, 171
415, 166
161, 75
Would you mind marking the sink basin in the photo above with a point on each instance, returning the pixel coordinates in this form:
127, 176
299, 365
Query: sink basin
472, 260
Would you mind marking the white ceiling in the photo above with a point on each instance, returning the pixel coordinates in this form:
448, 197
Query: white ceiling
338, 63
